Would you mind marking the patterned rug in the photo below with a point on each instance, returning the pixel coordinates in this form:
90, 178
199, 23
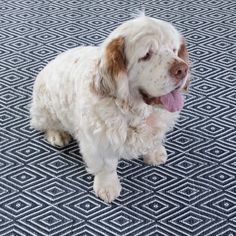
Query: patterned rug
47, 191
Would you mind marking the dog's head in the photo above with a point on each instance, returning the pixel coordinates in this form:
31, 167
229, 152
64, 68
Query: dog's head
144, 58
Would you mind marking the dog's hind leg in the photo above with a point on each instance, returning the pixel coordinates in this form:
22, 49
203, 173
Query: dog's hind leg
44, 118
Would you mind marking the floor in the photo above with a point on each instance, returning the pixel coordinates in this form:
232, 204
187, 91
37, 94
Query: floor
47, 191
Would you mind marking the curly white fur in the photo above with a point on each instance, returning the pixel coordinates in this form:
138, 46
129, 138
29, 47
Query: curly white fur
92, 93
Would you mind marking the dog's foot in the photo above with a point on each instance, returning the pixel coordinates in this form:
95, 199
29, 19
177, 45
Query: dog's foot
58, 138
107, 186
156, 158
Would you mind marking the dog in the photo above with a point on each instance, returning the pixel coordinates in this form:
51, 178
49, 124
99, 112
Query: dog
117, 100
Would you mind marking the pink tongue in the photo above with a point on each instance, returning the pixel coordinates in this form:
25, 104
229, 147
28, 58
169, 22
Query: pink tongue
172, 101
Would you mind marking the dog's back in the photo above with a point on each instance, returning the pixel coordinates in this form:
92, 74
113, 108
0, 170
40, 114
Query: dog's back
59, 86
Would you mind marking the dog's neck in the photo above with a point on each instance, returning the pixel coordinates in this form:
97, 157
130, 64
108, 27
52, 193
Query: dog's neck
134, 106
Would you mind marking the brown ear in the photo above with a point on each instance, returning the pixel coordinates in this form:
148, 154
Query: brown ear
183, 54
183, 51
115, 57
111, 68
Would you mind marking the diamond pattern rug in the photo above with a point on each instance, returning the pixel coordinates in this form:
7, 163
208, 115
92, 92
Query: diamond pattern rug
47, 191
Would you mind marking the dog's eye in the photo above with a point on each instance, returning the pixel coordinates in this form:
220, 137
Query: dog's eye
146, 57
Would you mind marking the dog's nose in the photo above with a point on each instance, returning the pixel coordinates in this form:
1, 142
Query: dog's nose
179, 70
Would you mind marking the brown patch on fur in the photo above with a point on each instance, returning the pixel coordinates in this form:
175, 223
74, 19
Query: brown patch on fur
183, 52
133, 129
184, 55
115, 57
109, 69
99, 85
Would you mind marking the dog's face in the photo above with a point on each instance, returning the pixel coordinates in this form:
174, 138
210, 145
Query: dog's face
145, 56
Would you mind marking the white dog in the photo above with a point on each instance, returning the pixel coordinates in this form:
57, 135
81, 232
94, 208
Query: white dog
118, 100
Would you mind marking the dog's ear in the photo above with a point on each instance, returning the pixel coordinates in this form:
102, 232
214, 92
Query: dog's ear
112, 69
184, 55
183, 51
115, 59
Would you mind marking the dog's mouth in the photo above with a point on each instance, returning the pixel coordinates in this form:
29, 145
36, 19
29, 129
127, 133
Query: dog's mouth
172, 101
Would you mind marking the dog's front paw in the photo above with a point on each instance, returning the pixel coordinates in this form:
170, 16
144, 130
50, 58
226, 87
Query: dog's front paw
57, 138
107, 186
156, 158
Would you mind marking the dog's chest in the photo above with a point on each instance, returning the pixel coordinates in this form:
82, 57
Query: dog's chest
143, 135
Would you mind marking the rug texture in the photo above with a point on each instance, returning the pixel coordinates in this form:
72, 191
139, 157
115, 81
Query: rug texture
47, 191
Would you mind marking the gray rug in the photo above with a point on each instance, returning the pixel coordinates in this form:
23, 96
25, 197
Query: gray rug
47, 191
